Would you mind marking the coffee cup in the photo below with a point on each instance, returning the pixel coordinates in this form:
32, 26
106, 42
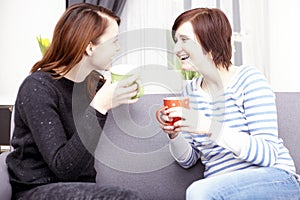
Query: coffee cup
170, 102
124, 71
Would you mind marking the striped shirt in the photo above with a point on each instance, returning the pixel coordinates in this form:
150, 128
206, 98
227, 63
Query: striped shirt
244, 129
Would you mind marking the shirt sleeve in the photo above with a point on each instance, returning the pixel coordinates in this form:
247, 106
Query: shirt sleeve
183, 150
184, 147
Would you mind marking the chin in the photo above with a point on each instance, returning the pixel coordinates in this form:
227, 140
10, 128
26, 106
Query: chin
107, 69
187, 68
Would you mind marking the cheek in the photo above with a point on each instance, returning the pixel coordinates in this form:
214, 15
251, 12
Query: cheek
103, 51
108, 51
103, 55
195, 50
100, 60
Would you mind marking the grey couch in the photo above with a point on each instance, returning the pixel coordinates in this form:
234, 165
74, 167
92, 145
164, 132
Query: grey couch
133, 151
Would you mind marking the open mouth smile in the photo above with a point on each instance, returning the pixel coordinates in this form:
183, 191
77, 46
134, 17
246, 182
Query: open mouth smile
184, 57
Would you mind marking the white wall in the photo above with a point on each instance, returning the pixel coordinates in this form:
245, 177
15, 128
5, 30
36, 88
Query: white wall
285, 45
20, 22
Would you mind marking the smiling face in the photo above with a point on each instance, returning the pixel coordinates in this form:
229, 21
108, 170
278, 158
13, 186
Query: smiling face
188, 49
211, 31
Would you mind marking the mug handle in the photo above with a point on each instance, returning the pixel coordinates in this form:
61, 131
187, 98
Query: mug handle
158, 115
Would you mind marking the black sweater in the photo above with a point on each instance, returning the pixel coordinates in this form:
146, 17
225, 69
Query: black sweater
55, 135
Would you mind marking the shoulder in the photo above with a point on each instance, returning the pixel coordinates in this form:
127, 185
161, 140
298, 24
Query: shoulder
37, 84
38, 77
249, 76
45, 80
254, 85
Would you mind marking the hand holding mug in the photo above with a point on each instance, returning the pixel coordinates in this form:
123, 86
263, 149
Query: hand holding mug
111, 95
193, 121
175, 116
170, 102
165, 119
124, 72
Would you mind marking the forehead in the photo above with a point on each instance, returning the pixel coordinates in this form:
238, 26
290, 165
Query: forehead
111, 31
185, 29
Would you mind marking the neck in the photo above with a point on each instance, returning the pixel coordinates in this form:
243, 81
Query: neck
79, 72
216, 80
211, 86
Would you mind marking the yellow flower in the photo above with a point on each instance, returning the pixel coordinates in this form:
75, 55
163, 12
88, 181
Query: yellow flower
43, 43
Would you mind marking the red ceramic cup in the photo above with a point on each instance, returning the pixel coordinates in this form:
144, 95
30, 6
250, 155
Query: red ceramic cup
170, 102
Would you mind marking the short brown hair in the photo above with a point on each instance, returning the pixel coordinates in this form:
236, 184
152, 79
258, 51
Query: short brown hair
213, 31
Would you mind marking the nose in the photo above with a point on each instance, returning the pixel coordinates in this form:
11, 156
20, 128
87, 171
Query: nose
177, 48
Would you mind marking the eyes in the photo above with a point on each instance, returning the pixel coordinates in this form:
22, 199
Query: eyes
181, 38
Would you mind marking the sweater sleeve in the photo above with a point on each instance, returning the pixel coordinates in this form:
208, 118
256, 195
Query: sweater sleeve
66, 150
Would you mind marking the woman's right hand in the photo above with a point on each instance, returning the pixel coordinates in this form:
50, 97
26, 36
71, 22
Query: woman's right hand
170, 131
192, 121
112, 95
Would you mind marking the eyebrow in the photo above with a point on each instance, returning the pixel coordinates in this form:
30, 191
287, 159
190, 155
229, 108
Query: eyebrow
180, 35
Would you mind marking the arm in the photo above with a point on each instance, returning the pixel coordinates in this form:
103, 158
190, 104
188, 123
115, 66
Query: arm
182, 144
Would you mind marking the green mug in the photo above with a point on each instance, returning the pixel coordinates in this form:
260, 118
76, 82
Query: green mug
123, 71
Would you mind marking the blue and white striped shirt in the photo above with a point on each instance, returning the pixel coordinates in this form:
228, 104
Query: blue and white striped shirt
248, 135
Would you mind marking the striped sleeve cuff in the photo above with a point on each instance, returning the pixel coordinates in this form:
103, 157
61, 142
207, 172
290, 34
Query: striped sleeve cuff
180, 148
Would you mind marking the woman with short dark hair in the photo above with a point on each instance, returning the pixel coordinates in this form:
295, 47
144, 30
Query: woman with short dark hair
232, 123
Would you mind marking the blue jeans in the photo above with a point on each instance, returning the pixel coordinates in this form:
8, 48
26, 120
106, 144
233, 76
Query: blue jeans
250, 184
76, 191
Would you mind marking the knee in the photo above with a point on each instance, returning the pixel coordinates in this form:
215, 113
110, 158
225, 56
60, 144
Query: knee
196, 191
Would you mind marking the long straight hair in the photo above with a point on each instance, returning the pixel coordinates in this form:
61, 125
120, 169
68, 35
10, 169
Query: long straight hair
79, 25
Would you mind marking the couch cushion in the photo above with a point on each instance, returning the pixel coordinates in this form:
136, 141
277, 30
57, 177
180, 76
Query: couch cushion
133, 152
288, 110
5, 188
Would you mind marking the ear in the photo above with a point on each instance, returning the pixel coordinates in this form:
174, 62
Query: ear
210, 55
89, 49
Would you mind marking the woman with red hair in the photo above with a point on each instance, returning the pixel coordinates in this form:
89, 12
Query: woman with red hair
61, 109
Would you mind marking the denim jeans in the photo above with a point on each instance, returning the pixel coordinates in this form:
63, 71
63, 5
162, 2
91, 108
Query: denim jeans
265, 183
76, 191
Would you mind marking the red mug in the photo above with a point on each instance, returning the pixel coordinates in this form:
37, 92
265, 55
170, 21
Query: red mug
170, 102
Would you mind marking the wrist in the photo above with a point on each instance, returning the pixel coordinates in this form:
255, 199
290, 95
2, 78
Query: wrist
173, 135
99, 108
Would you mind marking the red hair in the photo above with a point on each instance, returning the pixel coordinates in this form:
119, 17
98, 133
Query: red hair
80, 24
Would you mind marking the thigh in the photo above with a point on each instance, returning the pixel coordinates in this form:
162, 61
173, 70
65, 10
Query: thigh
261, 183
77, 191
